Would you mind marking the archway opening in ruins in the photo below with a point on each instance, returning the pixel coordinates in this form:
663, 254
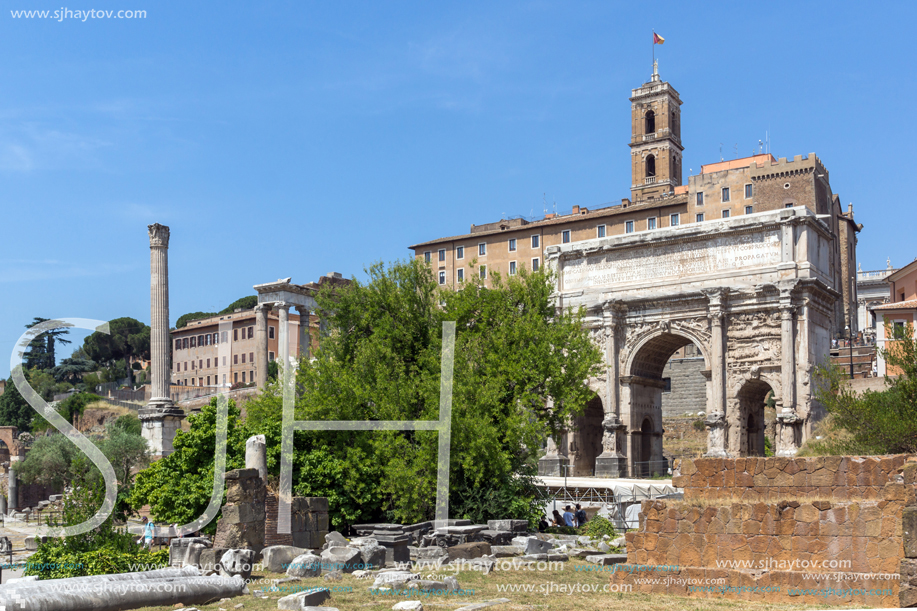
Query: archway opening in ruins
587, 438
650, 166
650, 126
668, 378
753, 398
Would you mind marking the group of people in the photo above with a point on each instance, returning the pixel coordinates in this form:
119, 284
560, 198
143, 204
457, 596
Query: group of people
149, 531
570, 517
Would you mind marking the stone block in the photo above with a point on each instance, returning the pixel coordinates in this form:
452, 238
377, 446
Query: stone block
607, 559
305, 539
909, 531
209, 559
468, 551
506, 551
305, 565
336, 539
537, 546
346, 559
277, 558
301, 601
408, 605
237, 562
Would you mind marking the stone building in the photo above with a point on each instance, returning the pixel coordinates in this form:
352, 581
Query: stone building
873, 289
253, 337
750, 262
899, 312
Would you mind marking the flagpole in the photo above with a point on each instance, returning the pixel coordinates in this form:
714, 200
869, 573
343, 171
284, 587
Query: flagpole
654, 47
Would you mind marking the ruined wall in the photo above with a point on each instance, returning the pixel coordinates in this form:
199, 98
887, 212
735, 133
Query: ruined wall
689, 387
805, 530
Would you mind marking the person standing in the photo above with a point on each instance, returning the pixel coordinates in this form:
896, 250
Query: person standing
569, 518
558, 519
148, 530
580, 515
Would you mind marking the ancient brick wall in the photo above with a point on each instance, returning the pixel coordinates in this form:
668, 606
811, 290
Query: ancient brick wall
689, 387
770, 528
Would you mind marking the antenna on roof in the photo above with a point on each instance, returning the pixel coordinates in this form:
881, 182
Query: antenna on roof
544, 202
721, 151
737, 150
555, 205
760, 147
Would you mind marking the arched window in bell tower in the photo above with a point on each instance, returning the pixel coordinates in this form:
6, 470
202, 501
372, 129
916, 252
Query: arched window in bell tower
650, 126
650, 166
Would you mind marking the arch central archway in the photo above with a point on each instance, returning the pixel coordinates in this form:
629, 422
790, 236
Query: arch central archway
642, 391
752, 397
586, 443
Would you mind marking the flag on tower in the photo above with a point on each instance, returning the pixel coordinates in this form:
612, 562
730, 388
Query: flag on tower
657, 39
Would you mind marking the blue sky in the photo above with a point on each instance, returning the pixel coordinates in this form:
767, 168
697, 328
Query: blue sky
296, 138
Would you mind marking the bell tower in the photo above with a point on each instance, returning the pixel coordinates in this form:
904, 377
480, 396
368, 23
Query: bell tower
655, 143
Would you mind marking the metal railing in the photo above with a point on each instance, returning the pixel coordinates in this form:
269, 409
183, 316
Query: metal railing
650, 180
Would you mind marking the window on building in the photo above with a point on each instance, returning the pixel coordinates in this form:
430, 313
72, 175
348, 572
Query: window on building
442, 277
650, 166
902, 296
224, 361
482, 249
178, 344
224, 336
674, 220
649, 126
725, 214
251, 376
251, 357
192, 365
651, 222
243, 358
725, 194
185, 382
270, 356
236, 377
789, 205
186, 365
512, 244
208, 363
442, 254
536, 241
251, 332
235, 359
700, 199
200, 364
270, 332
207, 340
512, 268
426, 257
699, 217
565, 236
667, 384
243, 377
461, 275
749, 209
208, 380
482, 271
748, 191
600, 231
184, 343
193, 341
235, 335
177, 366
460, 252
629, 227
535, 264
200, 340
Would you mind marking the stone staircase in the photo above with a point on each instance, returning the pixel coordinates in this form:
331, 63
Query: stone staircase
863, 358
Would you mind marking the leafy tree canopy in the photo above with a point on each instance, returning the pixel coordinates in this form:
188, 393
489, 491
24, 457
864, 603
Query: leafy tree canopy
872, 422
14, 410
128, 338
41, 353
184, 319
382, 362
246, 303
178, 487
71, 370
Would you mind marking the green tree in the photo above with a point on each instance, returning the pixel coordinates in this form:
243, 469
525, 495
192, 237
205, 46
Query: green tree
51, 462
872, 422
245, 303
103, 550
42, 349
127, 338
72, 370
184, 319
178, 487
14, 410
382, 362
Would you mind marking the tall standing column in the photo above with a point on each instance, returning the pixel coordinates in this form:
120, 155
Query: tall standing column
13, 490
787, 419
160, 419
305, 335
283, 337
611, 462
261, 350
716, 419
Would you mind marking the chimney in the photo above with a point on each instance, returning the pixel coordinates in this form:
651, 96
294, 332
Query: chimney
575, 210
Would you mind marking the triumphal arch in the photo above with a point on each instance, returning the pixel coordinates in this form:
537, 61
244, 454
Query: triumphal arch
753, 293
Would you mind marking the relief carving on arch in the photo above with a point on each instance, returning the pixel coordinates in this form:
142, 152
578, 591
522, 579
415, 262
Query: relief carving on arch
753, 339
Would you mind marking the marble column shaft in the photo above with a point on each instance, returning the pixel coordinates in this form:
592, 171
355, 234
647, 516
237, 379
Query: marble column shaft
261, 350
283, 337
788, 352
305, 335
159, 316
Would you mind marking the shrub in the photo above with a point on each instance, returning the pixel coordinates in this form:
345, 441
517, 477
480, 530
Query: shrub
597, 527
698, 424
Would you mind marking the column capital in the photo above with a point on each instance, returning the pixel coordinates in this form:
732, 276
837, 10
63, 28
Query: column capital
283, 305
266, 306
159, 235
